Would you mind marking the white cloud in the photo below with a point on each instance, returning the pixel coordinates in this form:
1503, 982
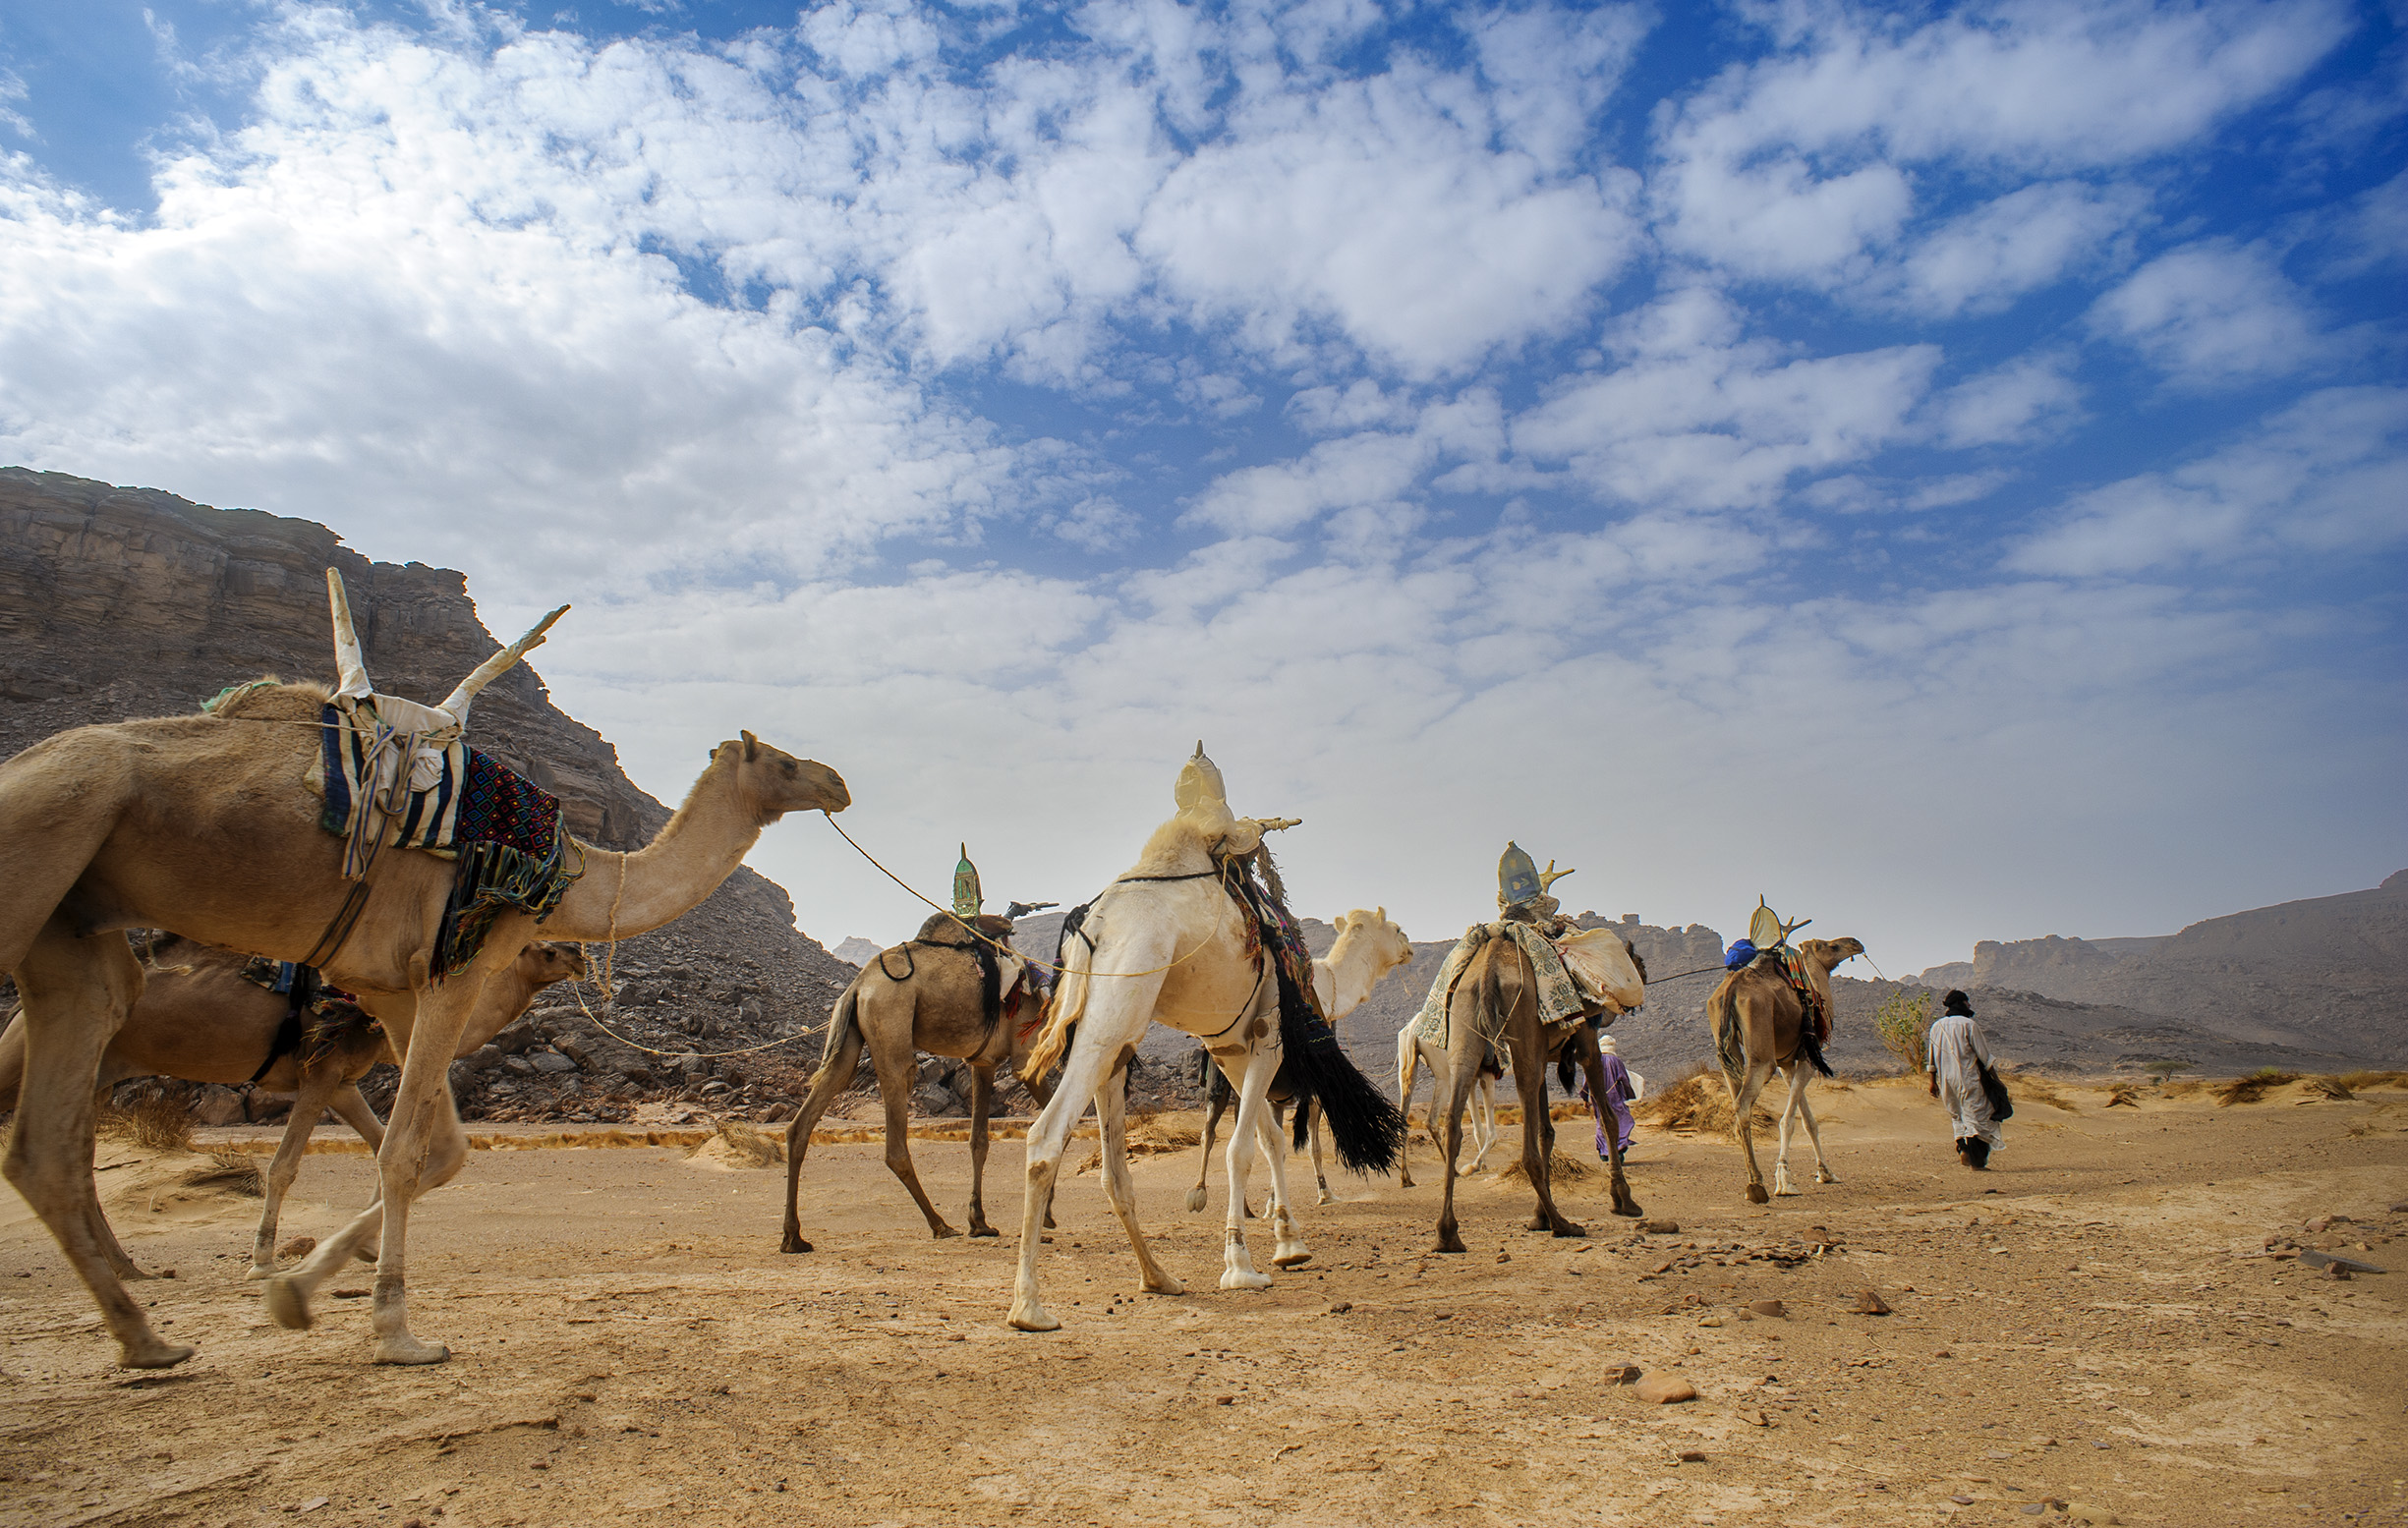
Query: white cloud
2328, 474
1983, 260
2214, 312
2028, 398
1796, 167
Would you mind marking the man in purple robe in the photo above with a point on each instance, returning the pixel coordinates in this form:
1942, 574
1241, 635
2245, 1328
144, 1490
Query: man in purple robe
1618, 1095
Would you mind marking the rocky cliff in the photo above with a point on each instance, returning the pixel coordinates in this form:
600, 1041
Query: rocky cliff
123, 603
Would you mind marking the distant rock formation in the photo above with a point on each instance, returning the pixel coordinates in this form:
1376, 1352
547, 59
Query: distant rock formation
856, 950
125, 602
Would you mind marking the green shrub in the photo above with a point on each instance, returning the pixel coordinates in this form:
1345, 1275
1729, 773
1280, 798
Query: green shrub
1904, 1022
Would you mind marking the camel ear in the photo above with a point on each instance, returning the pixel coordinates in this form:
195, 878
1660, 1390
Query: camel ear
1383, 915
752, 748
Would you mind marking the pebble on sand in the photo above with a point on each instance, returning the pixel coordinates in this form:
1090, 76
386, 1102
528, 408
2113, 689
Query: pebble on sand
1869, 1303
1768, 1308
1663, 1390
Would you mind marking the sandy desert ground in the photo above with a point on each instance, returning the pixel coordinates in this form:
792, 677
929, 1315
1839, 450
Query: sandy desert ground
2091, 1330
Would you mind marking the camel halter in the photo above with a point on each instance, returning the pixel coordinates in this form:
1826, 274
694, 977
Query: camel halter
1044, 965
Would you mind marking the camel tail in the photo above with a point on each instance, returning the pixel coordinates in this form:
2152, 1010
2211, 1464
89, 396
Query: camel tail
1069, 999
1730, 1035
1367, 1130
843, 1019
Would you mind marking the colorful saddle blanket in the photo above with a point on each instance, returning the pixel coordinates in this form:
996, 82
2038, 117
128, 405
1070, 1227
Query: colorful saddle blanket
1561, 999
1785, 962
504, 831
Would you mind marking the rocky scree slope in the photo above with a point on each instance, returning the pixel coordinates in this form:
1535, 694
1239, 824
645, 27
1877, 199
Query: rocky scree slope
126, 602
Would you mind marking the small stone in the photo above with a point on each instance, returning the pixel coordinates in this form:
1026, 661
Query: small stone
1224, 1401
1768, 1308
2032, 1508
1961, 1500
1624, 1373
1342, 1307
349, 1294
1692, 1456
311, 1505
1504, 1257
2323, 1223
1663, 1390
1710, 1321
2095, 1516
1870, 1303
298, 1247
1659, 1228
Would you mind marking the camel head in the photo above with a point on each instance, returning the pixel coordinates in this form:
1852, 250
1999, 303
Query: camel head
1389, 946
775, 782
1829, 953
546, 962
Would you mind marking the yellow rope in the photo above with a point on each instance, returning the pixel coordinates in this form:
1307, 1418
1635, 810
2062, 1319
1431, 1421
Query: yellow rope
998, 944
610, 991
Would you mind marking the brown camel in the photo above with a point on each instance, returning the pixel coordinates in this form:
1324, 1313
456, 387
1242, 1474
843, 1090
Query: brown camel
943, 993
205, 825
1759, 1027
200, 1019
1495, 1003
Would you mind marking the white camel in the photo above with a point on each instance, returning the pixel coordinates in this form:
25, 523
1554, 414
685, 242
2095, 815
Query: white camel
1168, 941
1415, 1050
1367, 948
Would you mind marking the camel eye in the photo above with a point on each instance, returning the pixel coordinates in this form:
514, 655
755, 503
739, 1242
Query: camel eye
789, 768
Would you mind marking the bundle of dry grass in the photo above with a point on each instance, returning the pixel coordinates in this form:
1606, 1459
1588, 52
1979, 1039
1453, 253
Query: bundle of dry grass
734, 1145
153, 1121
2360, 1082
1149, 1135
2123, 1095
1698, 1100
2035, 1087
1560, 1166
2332, 1087
228, 1172
2249, 1090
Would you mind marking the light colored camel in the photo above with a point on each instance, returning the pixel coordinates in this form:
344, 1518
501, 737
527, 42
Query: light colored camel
1368, 947
200, 1019
1168, 942
205, 825
1414, 1052
1495, 1003
943, 993
1759, 1028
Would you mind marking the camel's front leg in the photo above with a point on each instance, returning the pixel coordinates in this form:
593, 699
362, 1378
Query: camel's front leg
1238, 1270
1485, 1119
1815, 1134
1215, 1101
1781, 1185
981, 1099
1072, 1092
1408, 1061
835, 1074
317, 1088
424, 1147
353, 1111
1111, 1113
1312, 1134
76, 992
1463, 1063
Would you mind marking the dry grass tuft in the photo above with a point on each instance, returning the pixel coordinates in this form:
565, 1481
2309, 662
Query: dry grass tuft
744, 1146
2249, 1090
1150, 1136
1698, 1100
228, 1172
1562, 1167
2329, 1087
2123, 1095
155, 1122
2360, 1082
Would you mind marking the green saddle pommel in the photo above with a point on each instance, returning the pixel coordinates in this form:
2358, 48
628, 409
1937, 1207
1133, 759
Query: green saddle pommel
967, 899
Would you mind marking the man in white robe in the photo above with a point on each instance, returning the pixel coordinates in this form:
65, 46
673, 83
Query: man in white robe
1954, 1047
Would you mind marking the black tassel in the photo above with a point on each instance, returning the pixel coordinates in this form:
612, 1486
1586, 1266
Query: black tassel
1813, 1048
1365, 1127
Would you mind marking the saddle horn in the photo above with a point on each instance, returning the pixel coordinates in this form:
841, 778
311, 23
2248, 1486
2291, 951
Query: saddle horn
493, 668
351, 669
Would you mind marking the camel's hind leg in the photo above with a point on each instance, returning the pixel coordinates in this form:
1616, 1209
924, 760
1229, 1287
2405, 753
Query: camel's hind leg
1312, 1135
1483, 1118
76, 992
1815, 1134
1408, 1061
1238, 1270
1215, 1104
1462, 1060
1110, 1022
353, 1111
1743, 1089
1111, 1110
981, 1099
1538, 1133
1781, 1185
310, 1100
835, 1074
1291, 1251
890, 1053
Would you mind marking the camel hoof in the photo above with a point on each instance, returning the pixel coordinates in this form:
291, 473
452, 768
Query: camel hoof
1784, 1190
1568, 1228
367, 1251
1049, 1221
984, 1230
407, 1349
1167, 1285
153, 1354
286, 1305
1033, 1317
940, 1230
1448, 1241
1245, 1278
1326, 1198
256, 1272
1404, 1180
1196, 1199
1825, 1177
1756, 1194
793, 1243
1291, 1259
1628, 1210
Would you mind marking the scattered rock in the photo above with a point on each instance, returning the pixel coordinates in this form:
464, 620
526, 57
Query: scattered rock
2094, 1516
1870, 1303
1663, 1390
299, 1247
1659, 1228
1342, 1307
348, 1294
2323, 1223
1710, 1321
2338, 1267
550, 1061
1504, 1257
1624, 1373
1768, 1308
311, 1505
1692, 1456
218, 1105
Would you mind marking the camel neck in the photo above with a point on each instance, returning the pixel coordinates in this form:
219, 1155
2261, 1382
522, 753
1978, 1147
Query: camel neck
624, 895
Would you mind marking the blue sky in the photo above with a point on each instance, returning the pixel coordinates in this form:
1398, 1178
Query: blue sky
1940, 468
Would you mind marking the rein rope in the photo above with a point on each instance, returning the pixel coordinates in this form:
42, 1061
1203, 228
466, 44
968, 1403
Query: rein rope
1041, 965
609, 989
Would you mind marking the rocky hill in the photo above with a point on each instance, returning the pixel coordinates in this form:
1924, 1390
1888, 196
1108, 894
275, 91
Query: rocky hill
123, 603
